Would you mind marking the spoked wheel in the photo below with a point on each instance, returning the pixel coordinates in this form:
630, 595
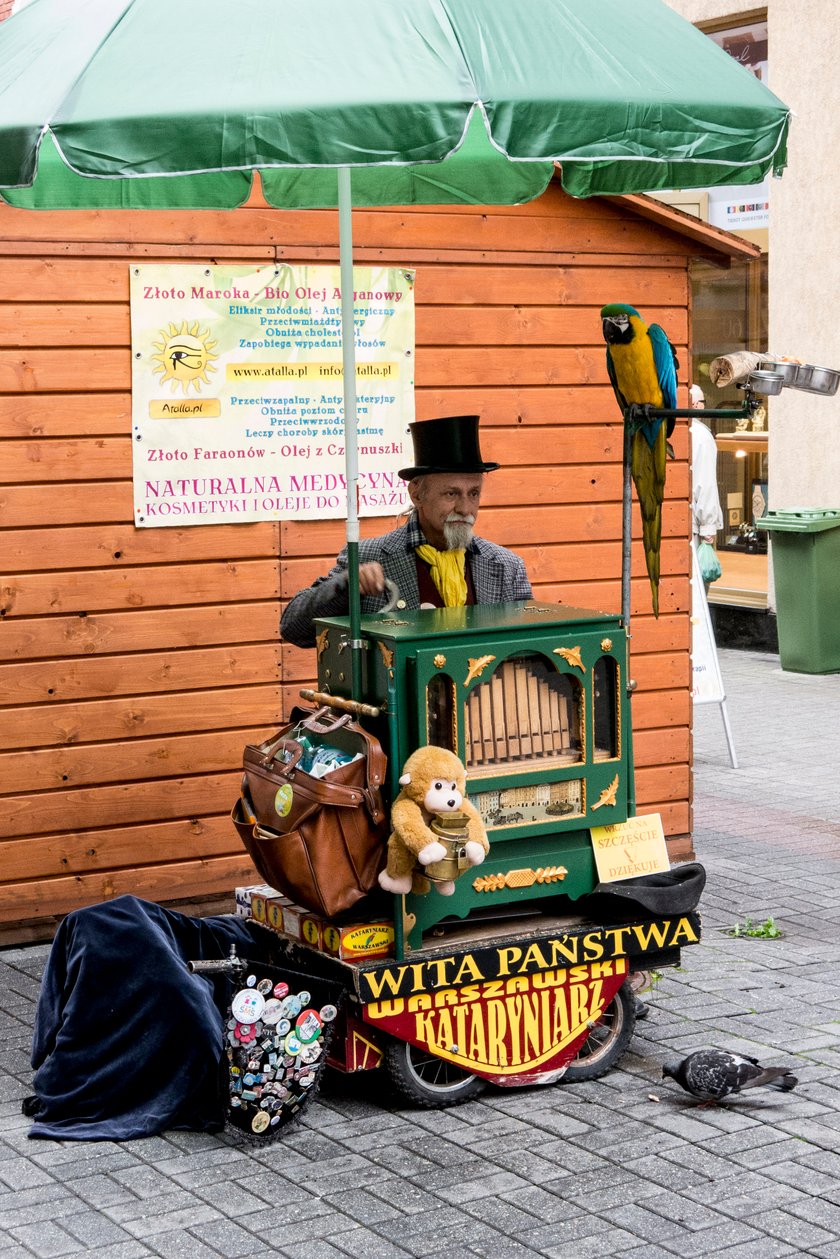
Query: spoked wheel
424, 1080
607, 1040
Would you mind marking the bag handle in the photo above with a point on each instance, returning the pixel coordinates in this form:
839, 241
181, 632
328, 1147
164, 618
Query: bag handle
319, 722
282, 742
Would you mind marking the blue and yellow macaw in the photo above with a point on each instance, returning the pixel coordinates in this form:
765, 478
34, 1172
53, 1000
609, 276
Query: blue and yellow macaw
643, 370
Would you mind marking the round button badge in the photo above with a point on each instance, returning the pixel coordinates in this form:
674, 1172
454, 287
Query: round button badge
308, 1026
260, 1121
273, 1012
247, 1005
292, 1044
291, 1007
283, 800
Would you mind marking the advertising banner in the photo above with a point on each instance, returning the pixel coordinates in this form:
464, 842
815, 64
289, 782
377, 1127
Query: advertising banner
237, 401
526, 1028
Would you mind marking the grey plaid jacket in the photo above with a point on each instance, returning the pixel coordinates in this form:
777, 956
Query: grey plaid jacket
498, 576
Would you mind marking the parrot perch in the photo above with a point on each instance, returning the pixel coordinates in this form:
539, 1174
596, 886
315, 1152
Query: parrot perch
642, 367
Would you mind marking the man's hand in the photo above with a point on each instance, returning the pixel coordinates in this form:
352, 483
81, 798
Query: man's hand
371, 579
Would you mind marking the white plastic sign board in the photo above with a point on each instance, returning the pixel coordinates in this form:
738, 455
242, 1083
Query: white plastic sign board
706, 680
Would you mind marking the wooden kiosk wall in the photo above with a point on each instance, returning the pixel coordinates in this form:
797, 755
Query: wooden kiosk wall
137, 662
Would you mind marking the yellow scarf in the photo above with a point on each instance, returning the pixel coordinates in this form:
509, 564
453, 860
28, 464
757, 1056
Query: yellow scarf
448, 574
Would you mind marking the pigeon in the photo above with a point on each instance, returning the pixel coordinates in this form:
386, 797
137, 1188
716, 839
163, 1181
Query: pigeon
712, 1074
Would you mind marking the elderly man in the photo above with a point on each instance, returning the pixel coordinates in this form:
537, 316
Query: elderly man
434, 559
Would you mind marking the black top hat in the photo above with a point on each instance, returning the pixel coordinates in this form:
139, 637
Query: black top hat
449, 444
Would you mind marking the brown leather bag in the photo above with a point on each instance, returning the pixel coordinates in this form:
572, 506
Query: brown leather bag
321, 841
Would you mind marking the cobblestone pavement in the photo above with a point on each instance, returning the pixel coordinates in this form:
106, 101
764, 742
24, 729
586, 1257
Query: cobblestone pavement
623, 1166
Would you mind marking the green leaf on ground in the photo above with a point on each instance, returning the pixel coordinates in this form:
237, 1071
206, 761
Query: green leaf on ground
766, 930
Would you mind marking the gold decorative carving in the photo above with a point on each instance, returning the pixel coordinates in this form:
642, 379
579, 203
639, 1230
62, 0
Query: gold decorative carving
572, 656
387, 655
439, 661
520, 878
477, 667
606, 644
322, 642
607, 796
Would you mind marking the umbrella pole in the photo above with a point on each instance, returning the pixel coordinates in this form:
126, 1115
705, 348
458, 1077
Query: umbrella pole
351, 451
626, 561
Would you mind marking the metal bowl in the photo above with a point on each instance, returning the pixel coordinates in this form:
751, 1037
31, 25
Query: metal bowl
766, 382
787, 371
823, 380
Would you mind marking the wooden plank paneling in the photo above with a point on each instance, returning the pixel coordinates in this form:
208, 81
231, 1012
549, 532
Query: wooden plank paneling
54, 681
64, 415
92, 590
83, 635
114, 545
34, 325
171, 712
48, 897
138, 661
116, 847
123, 804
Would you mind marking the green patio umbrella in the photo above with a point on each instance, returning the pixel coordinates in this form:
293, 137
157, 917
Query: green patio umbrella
155, 103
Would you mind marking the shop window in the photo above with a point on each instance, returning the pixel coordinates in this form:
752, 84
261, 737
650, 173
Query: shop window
729, 314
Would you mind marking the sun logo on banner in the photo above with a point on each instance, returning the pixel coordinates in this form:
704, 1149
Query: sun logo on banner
184, 356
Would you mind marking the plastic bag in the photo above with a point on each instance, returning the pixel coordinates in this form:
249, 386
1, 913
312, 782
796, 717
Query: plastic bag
710, 568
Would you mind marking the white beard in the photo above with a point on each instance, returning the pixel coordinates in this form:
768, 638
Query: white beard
458, 533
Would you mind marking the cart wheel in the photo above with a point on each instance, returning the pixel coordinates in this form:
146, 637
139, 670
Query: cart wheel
425, 1080
607, 1041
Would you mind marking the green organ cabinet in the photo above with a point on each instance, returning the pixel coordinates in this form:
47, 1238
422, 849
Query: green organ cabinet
532, 697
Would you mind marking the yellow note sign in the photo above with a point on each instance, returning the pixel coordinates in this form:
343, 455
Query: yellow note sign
629, 849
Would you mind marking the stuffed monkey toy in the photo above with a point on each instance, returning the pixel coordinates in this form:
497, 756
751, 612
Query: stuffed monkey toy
433, 785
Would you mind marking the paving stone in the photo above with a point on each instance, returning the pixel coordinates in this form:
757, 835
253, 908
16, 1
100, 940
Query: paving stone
793, 1229
227, 1237
617, 1242
642, 1222
711, 1241
483, 1186
94, 1229
180, 1244
543, 1204
47, 1239
364, 1206
766, 1248
150, 1224
365, 1244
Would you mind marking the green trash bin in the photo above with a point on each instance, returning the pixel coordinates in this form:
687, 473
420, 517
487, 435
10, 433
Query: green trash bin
806, 573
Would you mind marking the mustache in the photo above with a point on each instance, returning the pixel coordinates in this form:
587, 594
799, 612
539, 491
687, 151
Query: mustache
454, 519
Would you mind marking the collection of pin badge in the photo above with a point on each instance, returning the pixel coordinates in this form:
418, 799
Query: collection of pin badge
276, 1043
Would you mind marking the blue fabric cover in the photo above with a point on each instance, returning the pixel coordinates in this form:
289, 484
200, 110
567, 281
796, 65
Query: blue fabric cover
127, 1041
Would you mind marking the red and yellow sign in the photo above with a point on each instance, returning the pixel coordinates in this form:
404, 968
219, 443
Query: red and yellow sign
526, 1027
